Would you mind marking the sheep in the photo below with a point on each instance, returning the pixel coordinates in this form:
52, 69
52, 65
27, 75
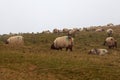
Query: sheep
46, 32
99, 30
98, 51
55, 30
65, 30
86, 29
110, 24
109, 32
73, 32
15, 40
63, 42
111, 42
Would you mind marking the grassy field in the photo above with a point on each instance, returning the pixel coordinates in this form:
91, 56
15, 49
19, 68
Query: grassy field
36, 61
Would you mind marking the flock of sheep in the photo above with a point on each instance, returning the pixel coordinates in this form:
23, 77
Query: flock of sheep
68, 41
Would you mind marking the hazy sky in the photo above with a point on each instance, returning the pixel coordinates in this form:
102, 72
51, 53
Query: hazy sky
38, 15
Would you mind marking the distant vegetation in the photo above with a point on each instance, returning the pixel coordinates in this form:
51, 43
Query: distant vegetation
36, 61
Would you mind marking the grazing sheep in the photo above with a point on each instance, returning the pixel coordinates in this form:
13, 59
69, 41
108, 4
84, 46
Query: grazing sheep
110, 24
46, 32
111, 42
86, 29
15, 40
65, 30
63, 42
109, 32
99, 30
55, 30
73, 32
98, 51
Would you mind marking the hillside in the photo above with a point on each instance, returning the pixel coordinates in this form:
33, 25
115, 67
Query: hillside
36, 61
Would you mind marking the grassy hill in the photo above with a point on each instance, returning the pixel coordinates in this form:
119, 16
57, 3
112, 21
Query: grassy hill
36, 61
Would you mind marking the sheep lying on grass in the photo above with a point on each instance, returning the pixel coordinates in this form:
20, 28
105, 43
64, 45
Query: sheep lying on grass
98, 51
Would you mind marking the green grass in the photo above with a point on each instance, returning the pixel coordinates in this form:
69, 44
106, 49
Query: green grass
36, 61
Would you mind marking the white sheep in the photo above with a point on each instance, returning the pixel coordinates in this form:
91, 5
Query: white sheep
63, 42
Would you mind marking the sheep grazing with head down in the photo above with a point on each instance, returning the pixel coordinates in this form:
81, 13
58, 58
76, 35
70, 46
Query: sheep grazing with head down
111, 42
46, 32
98, 51
109, 32
15, 40
63, 42
110, 24
99, 30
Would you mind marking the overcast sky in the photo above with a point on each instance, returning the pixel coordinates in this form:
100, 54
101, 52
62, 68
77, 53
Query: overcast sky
38, 15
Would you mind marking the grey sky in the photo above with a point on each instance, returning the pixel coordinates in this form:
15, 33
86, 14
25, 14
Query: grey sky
37, 15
